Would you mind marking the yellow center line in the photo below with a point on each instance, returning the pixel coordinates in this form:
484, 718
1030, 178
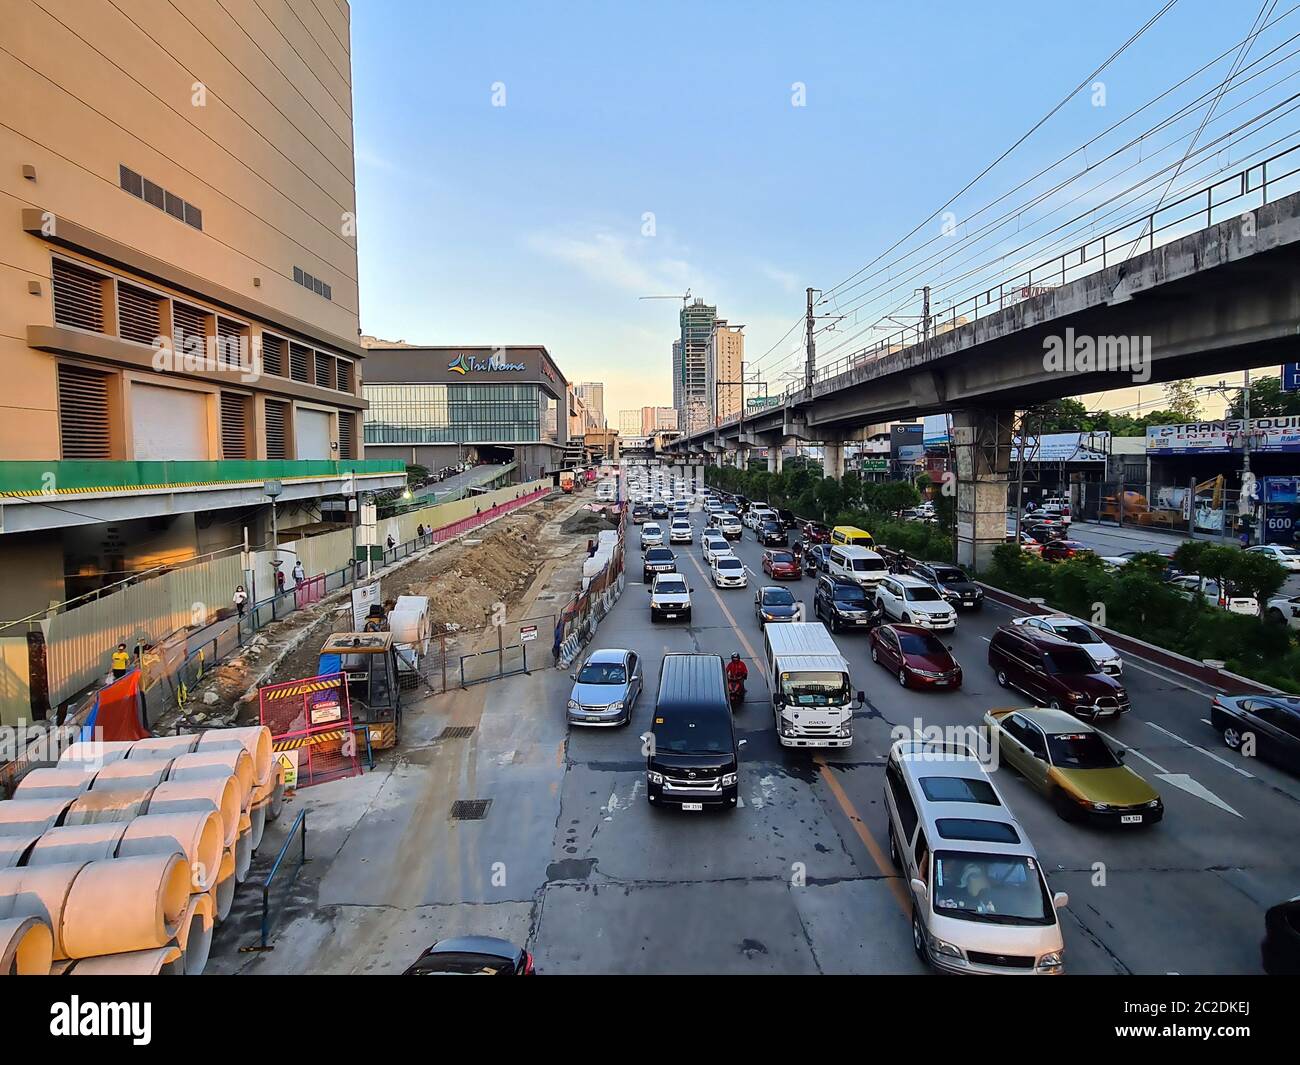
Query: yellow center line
878, 856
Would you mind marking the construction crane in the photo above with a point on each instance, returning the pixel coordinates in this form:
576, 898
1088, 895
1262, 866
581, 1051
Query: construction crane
685, 298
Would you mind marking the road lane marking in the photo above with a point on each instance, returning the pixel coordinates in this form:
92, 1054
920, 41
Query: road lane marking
1132, 750
878, 856
1208, 754
1194, 787
758, 662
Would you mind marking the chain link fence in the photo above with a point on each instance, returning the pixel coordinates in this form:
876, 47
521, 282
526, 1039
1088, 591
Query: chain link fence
1203, 510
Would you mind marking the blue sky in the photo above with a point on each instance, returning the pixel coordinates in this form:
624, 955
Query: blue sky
523, 223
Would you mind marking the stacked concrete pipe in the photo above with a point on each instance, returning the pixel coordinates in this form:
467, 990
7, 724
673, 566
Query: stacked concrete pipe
26, 946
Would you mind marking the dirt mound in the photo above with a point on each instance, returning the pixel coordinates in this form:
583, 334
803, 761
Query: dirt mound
588, 523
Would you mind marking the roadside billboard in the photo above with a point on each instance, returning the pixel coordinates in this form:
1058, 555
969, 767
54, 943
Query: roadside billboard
907, 442
1224, 436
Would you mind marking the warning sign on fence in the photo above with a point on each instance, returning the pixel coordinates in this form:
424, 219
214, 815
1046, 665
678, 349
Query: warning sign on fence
289, 760
527, 632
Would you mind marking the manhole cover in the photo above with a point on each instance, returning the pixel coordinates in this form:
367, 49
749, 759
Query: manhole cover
456, 732
470, 809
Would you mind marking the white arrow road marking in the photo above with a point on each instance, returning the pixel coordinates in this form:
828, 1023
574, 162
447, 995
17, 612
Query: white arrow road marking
1192, 787
1208, 754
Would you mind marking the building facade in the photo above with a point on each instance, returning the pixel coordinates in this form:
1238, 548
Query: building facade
694, 400
436, 406
655, 418
184, 240
629, 422
592, 394
725, 367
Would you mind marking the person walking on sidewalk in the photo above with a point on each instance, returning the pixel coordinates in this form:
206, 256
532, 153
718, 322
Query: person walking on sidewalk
391, 542
240, 599
121, 662
299, 574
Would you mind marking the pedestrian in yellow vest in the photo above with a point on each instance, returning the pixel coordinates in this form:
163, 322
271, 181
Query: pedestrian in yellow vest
121, 661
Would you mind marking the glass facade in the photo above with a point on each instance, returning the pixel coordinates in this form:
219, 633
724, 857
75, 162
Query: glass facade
454, 414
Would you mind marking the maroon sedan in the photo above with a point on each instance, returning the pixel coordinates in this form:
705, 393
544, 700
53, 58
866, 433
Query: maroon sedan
816, 533
916, 656
781, 566
1059, 550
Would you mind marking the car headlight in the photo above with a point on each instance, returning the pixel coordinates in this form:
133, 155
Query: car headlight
845, 729
1051, 962
656, 778
1100, 806
728, 779
614, 706
573, 704
1153, 804
948, 950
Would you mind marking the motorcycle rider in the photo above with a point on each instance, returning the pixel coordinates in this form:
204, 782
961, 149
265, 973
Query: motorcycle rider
737, 672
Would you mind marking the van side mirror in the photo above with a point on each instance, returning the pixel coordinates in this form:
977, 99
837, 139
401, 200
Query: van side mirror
862, 697
573, 676
742, 743
1060, 900
918, 887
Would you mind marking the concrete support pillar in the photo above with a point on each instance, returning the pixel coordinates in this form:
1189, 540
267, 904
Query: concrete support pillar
982, 446
774, 459
833, 459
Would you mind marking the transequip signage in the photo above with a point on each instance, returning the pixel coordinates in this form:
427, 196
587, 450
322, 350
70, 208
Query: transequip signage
1225, 436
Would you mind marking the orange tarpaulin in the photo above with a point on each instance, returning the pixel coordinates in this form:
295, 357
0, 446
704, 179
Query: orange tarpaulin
119, 711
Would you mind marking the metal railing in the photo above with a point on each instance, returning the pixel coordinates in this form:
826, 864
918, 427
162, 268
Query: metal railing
298, 828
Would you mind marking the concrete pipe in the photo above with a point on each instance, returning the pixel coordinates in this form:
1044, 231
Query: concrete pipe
14, 849
221, 761
195, 935
257, 816
156, 962
199, 834
126, 904
77, 843
96, 752
126, 775
60, 782
22, 817
243, 848
256, 740
163, 746
223, 895
220, 793
277, 794
26, 947
39, 893
109, 805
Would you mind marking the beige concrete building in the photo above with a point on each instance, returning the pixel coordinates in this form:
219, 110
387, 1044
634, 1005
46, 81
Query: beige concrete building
655, 418
179, 265
726, 362
629, 422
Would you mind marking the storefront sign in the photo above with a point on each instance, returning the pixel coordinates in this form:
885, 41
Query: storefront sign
1225, 436
1062, 447
495, 363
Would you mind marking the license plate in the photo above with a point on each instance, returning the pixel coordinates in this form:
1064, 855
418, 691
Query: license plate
1130, 819
698, 806
940, 683
670, 615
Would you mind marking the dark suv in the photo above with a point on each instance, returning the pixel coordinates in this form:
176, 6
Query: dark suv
844, 605
1054, 672
950, 581
659, 510
692, 760
657, 560
772, 534
640, 514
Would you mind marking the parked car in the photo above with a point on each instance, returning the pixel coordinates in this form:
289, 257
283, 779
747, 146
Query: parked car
952, 582
1054, 672
670, 598
913, 602
781, 566
1028, 544
1280, 949
917, 657
1284, 555
1060, 550
1268, 724
1285, 610
1192, 585
1103, 655
1071, 763
472, 956
771, 534
605, 689
657, 560
844, 605
652, 535
1044, 533
728, 571
773, 603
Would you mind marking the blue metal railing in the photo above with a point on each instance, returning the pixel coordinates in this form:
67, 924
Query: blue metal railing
299, 828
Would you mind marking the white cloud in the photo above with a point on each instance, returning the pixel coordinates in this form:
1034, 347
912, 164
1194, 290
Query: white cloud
787, 280
608, 259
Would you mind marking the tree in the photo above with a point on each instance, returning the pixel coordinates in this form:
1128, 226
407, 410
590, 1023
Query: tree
829, 497
1267, 400
1256, 574
1060, 416
1182, 400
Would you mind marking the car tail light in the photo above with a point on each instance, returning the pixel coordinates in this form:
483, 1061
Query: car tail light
528, 965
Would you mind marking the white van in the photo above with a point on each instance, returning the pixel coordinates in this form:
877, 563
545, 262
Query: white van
809, 684
980, 901
858, 564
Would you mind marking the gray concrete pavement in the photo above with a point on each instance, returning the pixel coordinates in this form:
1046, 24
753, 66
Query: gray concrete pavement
572, 859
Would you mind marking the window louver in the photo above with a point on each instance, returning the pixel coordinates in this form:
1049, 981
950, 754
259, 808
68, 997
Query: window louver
230, 335
347, 437
139, 315
324, 370
78, 297
189, 329
276, 423
83, 414
272, 354
299, 363
234, 426
345, 376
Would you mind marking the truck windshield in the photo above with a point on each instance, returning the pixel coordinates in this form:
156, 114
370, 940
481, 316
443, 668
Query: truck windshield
815, 689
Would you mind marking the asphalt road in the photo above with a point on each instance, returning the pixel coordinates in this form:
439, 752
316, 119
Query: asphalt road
798, 879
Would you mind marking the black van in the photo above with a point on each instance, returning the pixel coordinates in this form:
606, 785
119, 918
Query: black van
692, 762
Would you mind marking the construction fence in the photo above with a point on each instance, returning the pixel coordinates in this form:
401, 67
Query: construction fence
182, 622
577, 621
1203, 511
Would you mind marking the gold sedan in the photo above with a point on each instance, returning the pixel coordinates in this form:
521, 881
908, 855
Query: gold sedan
1073, 765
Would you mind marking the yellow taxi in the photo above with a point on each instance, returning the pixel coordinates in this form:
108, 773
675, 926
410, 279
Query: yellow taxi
1073, 765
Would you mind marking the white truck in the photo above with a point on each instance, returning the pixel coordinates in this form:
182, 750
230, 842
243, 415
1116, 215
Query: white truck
808, 679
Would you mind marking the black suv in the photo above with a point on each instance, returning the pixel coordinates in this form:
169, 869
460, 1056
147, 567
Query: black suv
951, 582
772, 534
692, 762
786, 517
657, 560
844, 605
659, 510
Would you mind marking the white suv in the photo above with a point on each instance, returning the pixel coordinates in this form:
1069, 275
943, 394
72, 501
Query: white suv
715, 544
729, 571
681, 531
670, 598
913, 602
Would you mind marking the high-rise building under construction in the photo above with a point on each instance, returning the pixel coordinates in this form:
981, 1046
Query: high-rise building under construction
691, 370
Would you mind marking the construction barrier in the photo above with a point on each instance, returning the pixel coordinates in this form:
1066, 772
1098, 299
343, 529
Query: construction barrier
311, 728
